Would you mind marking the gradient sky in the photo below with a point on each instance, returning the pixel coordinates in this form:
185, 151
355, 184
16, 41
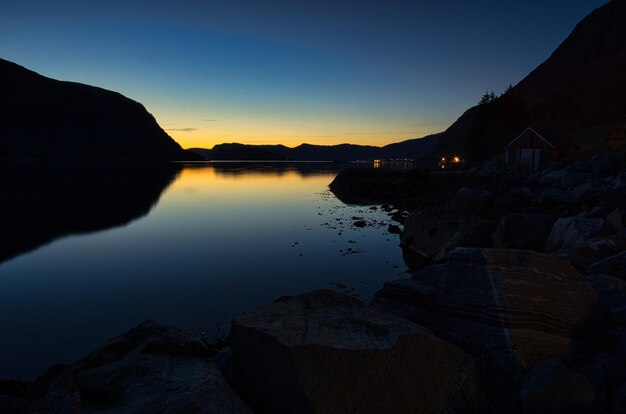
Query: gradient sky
323, 72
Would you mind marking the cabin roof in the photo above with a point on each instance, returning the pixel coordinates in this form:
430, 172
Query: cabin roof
534, 132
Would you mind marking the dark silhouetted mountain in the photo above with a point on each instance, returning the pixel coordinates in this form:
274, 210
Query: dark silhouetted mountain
46, 118
578, 93
242, 152
413, 148
42, 202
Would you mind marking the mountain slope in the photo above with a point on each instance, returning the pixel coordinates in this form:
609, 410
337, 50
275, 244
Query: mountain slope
578, 93
46, 118
413, 148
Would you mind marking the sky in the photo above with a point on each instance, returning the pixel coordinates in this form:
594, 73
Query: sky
288, 72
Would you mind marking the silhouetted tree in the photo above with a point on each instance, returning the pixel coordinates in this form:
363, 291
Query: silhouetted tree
494, 122
487, 98
508, 90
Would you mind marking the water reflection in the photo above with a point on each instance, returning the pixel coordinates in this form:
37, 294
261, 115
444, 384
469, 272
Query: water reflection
303, 169
42, 202
221, 239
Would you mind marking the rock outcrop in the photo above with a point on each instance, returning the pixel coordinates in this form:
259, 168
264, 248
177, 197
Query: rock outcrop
150, 369
328, 353
613, 266
523, 231
552, 388
512, 309
570, 232
534, 302
432, 233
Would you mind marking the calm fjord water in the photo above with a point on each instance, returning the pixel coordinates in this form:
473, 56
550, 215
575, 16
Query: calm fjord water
89, 252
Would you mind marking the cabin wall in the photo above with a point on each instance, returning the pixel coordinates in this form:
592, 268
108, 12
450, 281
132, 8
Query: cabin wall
529, 141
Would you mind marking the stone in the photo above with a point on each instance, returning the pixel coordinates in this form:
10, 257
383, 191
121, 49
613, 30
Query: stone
604, 164
552, 388
595, 372
612, 294
325, 352
433, 233
360, 223
569, 232
558, 196
614, 266
593, 251
554, 175
618, 405
470, 202
583, 166
617, 219
151, 368
515, 201
511, 295
619, 183
584, 190
597, 212
573, 178
394, 229
512, 308
523, 231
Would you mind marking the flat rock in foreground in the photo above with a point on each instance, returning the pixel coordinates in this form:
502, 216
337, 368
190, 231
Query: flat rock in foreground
328, 353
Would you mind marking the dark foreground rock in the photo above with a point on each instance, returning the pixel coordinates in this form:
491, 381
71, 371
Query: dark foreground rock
587, 257
513, 309
534, 300
328, 353
614, 266
552, 388
523, 231
432, 233
571, 232
150, 369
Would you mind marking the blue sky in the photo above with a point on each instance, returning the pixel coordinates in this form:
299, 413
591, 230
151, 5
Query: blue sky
325, 72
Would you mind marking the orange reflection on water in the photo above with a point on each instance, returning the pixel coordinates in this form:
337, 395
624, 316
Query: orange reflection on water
248, 182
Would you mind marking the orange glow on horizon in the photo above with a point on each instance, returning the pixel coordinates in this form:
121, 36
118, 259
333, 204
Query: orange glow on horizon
197, 140
190, 132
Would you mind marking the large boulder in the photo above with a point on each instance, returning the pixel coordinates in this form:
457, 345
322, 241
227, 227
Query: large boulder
617, 219
574, 178
605, 163
552, 388
557, 196
570, 232
150, 369
614, 266
328, 353
594, 251
535, 301
512, 308
523, 231
619, 183
470, 202
618, 405
612, 293
432, 233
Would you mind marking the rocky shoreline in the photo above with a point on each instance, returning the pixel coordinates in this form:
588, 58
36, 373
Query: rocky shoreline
516, 303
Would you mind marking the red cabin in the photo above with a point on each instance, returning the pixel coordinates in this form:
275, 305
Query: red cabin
530, 150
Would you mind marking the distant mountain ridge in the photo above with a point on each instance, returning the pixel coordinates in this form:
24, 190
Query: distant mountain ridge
414, 148
46, 118
578, 93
